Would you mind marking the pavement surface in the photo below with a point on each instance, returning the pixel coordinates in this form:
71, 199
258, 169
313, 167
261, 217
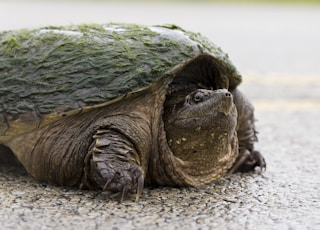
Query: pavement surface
287, 102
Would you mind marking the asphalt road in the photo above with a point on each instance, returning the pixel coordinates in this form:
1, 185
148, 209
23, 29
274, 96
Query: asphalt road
283, 84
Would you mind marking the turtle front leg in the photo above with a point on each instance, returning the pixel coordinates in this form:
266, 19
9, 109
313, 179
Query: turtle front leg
248, 158
113, 164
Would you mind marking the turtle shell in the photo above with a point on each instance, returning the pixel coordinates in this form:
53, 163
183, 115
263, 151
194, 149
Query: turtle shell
53, 72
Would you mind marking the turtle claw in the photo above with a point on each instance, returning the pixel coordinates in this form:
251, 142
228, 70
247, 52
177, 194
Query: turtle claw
261, 162
140, 187
105, 187
248, 161
124, 193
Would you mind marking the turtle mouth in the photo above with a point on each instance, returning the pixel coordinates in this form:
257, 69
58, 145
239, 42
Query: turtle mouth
208, 116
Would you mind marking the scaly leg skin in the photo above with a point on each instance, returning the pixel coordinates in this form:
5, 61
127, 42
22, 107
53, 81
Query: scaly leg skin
113, 164
248, 158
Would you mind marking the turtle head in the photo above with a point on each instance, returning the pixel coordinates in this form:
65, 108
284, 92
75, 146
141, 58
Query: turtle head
201, 134
203, 110
206, 105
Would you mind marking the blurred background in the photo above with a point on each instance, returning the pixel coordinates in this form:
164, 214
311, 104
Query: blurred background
261, 37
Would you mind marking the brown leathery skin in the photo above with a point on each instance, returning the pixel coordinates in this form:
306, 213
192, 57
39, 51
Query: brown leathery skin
202, 135
48, 154
141, 124
113, 163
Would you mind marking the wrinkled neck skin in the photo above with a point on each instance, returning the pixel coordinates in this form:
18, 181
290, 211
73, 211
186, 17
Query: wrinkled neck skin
203, 141
206, 151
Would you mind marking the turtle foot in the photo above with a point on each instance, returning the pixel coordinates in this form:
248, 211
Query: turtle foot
120, 178
249, 161
113, 165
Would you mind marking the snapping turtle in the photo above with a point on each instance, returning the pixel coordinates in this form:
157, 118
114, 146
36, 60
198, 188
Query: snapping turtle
116, 106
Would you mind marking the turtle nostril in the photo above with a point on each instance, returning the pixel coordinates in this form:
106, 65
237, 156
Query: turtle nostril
228, 94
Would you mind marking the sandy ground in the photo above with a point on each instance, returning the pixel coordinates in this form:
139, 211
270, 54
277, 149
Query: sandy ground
283, 84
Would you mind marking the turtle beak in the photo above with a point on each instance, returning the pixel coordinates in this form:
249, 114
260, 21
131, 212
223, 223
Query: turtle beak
228, 107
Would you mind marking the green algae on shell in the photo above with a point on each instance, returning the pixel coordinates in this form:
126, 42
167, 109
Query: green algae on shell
52, 72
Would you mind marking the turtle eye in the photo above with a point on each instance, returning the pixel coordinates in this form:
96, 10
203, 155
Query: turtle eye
198, 97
